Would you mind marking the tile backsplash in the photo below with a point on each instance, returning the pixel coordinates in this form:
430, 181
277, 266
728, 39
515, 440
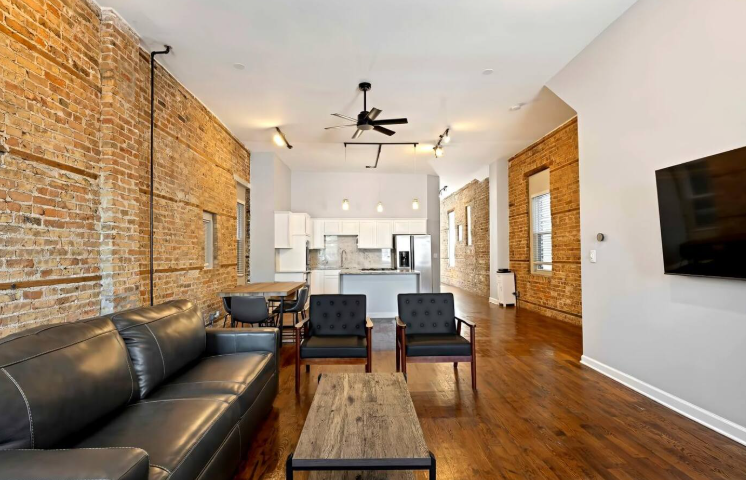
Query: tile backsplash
331, 256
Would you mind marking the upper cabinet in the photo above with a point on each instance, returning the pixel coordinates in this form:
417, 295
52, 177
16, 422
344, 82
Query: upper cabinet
332, 227
300, 224
317, 235
350, 227
367, 237
411, 226
384, 234
372, 233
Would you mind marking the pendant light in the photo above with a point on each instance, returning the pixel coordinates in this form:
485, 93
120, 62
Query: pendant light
379, 207
345, 204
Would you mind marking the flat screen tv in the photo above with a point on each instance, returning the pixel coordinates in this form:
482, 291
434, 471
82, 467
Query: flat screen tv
702, 206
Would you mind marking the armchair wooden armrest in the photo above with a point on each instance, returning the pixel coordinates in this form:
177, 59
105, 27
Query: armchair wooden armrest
468, 323
368, 322
301, 324
400, 324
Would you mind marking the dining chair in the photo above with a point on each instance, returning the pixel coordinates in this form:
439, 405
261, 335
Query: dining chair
251, 310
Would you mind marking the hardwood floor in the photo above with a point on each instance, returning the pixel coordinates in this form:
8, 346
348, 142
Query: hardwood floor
538, 413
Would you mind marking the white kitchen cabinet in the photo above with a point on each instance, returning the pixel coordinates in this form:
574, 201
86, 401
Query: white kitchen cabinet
300, 224
317, 282
292, 259
317, 234
350, 227
401, 227
331, 282
367, 237
332, 227
282, 230
384, 234
417, 227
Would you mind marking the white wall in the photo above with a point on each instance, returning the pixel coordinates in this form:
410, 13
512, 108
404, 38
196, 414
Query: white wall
663, 85
499, 224
270, 187
320, 194
433, 227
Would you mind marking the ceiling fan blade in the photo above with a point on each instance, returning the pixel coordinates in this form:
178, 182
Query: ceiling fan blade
373, 114
385, 131
391, 121
344, 117
358, 132
340, 126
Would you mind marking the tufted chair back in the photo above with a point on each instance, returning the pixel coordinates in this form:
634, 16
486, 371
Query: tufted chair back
428, 313
337, 315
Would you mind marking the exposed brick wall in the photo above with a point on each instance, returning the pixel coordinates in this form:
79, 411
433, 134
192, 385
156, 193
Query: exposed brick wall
472, 269
74, 185
558, 295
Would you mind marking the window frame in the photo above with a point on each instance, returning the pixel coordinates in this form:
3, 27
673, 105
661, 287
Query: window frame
533, 234
240, 238
451, 215
208, 236
469, 237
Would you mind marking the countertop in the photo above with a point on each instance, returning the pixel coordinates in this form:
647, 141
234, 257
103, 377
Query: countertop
355, 271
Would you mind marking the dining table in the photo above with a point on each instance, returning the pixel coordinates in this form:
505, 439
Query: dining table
280, 290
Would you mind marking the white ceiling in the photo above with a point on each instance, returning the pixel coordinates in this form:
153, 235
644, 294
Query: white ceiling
424, 58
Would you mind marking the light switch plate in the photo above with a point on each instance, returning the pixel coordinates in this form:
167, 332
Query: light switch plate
593, 256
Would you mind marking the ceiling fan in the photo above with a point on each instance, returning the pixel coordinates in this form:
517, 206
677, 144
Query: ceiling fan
366, 120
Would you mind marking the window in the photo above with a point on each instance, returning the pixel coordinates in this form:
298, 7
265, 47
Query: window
451, 239
240, 238
469, 240
208, 224
540, 220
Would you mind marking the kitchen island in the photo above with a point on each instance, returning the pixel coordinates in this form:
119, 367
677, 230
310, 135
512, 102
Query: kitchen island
381, 288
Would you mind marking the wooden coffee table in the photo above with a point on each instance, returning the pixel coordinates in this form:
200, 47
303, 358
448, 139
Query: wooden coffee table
364, 422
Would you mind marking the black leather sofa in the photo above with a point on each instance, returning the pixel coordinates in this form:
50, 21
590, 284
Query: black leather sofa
144, 394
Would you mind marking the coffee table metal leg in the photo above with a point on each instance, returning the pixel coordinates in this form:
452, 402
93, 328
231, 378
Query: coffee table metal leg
432, 466
289, 468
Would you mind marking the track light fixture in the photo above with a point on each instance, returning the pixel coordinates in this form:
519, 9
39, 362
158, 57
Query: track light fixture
280, 140
445, 138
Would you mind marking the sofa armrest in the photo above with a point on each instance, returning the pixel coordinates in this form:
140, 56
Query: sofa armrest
224, 341
74, 464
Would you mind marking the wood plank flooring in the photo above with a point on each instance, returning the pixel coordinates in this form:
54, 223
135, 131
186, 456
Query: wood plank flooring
538, 414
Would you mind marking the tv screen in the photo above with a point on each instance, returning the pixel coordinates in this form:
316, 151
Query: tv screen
702, 206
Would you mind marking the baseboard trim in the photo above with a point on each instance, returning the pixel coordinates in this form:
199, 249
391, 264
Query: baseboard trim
494, 300
374, 315
704, 417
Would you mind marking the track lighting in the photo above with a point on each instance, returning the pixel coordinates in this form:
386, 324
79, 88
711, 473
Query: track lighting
445, 138
379, 208
345, 204
280, 139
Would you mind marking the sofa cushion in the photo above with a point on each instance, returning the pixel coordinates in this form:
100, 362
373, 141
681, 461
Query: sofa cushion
332, 315
428, 313
57, 379
438, 346
161, 340
334, 347
240, 374
180, 436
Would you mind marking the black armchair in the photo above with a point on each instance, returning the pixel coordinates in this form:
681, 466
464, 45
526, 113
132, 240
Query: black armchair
336, 332
428, 331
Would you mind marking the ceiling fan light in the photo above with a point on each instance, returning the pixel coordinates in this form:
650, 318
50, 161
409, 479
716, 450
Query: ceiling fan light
415, 204
379, 207
345, 204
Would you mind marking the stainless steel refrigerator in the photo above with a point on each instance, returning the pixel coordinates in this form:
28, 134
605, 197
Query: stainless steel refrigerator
414, 252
